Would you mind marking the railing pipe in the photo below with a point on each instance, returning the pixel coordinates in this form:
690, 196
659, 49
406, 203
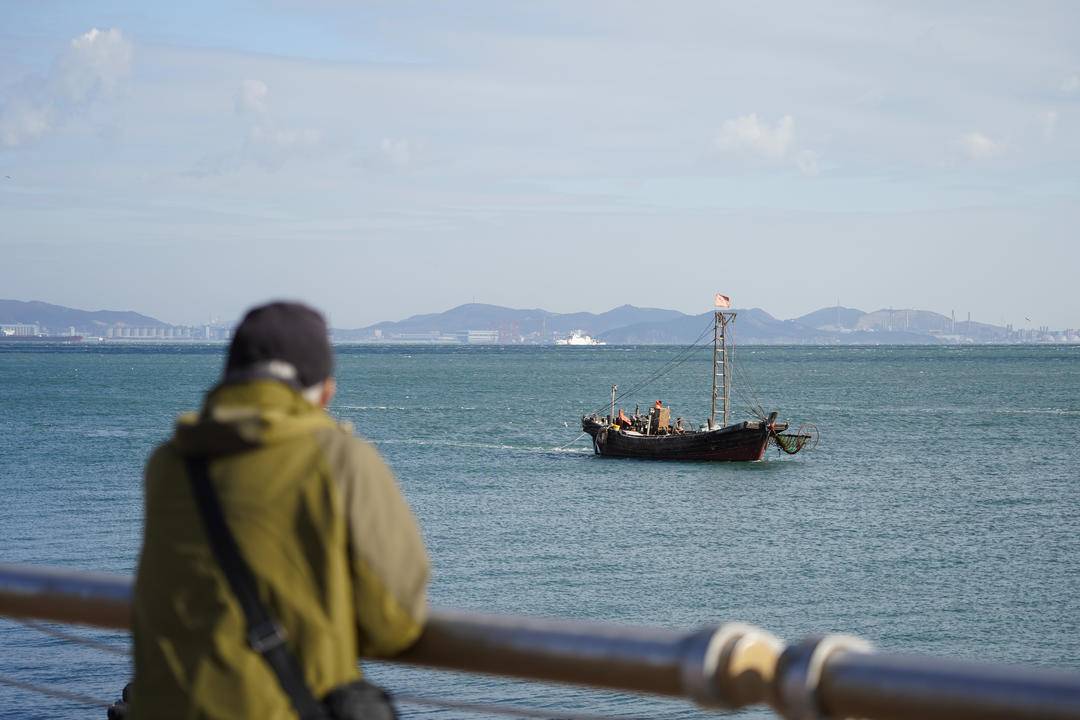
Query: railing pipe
67, 596
893, 687
573, 652
727, 667
645, 660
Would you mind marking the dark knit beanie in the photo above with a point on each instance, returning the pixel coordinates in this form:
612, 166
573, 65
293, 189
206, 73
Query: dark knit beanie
283, 340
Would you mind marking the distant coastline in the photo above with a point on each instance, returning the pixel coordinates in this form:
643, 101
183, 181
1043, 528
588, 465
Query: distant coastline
478, 324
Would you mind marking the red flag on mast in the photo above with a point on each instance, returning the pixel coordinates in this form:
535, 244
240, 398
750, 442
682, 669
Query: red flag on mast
723, 301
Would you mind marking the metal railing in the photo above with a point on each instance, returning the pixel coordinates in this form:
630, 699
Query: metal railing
725, 667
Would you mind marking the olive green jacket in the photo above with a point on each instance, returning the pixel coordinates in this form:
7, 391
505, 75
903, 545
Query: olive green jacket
317, 515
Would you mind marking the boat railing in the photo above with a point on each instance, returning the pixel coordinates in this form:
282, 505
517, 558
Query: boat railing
725, 667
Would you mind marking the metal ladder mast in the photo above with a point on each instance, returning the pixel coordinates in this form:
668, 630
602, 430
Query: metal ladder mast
721, 376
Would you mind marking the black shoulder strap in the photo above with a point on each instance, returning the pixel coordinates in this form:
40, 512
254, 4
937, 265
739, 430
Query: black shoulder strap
264, 634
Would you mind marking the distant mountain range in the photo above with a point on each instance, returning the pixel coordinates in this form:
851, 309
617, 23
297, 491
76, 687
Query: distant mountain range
59, 317
624, 325
29, 320
630, 325
523, 323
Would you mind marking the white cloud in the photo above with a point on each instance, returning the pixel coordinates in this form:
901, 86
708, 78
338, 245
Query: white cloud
978, 146
398, 153
747, 134
252, 98
1070, 84
96, 63
284, 139
393, 155
93, 67
1050, 121
807, 160
271, 147
268, 143
22, 119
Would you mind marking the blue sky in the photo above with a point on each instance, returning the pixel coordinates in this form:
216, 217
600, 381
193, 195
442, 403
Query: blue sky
388, 158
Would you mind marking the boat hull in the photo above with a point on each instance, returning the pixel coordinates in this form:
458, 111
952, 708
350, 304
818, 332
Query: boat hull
742, 442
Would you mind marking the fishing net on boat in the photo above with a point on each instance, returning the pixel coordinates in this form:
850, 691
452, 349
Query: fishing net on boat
805, 438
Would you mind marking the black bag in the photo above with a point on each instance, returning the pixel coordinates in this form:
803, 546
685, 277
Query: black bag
119, 709
358, 700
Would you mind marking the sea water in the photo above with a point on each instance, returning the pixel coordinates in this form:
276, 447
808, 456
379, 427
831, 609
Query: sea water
939, 514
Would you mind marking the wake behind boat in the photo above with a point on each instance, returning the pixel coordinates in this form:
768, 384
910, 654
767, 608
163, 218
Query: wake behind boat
653, 436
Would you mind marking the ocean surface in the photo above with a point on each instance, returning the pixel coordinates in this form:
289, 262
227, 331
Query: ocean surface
939, 514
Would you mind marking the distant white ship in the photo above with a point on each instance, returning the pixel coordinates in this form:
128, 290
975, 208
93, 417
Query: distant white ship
578, 337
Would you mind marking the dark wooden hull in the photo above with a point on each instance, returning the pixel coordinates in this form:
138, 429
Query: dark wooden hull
742, 442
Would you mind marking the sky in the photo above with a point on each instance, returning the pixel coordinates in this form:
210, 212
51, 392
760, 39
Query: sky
382, 159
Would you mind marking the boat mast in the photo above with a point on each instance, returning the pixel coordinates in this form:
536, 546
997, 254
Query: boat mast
613, 389
721, 375
715, 366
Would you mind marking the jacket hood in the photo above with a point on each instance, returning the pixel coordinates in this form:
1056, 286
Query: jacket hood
242, 416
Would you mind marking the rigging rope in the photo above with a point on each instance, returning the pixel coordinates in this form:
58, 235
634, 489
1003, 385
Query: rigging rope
671, 364
756, 408
740, 377
753, 404
563, 447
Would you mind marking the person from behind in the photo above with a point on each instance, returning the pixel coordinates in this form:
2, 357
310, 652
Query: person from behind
335, 564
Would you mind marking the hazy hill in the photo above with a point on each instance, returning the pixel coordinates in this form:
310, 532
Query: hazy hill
478, 316
919, 321
615, 318
751, 325
832, 318
57, 317
677, 331
471, 316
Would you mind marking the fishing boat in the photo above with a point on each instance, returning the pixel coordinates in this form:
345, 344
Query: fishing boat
652, 435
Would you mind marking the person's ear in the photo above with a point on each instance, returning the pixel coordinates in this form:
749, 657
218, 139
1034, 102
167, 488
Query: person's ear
328, 389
